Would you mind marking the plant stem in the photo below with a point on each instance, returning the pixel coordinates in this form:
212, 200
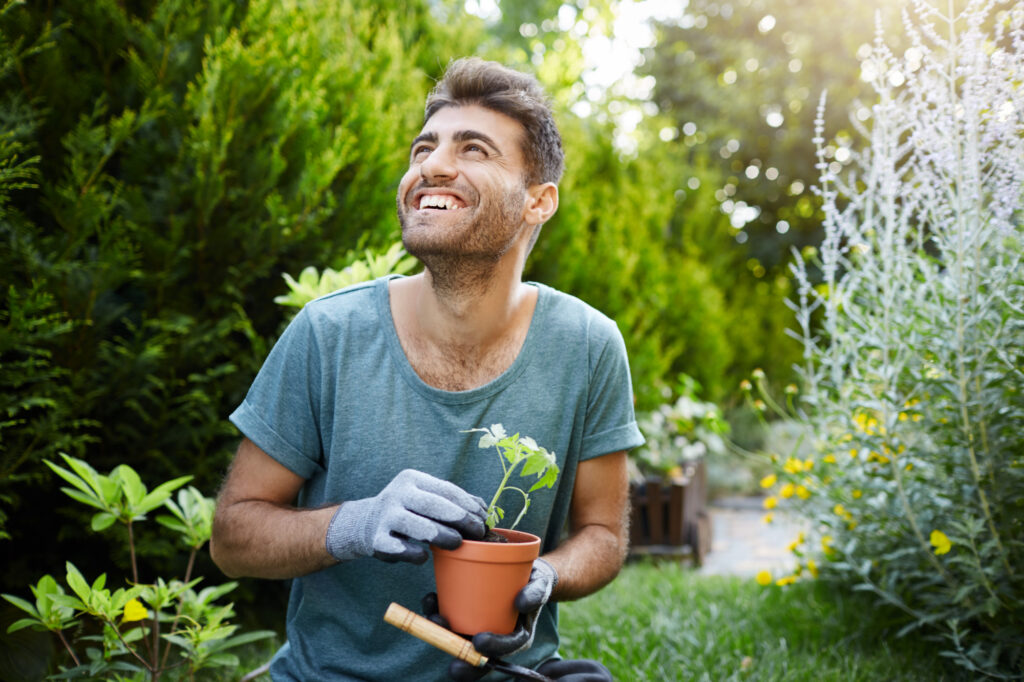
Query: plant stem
177, 611
131, 650
501, 488
131, 550
68, 647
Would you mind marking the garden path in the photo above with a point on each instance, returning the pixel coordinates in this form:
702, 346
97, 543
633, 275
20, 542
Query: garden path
742, 544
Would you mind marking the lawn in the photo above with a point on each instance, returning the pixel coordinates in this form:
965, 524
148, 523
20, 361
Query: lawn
664, 622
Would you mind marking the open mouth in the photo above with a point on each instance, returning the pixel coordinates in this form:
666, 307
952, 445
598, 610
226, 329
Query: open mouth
440, 202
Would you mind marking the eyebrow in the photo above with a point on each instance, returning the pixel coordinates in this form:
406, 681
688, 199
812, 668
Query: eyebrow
459, 136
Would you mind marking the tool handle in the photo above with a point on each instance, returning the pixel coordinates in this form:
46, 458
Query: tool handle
433, 634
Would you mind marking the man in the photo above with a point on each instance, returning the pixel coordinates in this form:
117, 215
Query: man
354, 448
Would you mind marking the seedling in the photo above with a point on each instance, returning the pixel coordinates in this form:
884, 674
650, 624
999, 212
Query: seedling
513, 451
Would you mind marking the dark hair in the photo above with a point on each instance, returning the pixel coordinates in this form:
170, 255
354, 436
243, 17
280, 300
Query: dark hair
517, 95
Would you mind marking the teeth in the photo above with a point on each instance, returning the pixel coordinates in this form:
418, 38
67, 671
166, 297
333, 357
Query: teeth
446, 202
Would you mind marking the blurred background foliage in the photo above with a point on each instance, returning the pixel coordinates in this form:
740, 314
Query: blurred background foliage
163, 162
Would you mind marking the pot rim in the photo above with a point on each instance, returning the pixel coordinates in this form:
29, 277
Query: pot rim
523, 546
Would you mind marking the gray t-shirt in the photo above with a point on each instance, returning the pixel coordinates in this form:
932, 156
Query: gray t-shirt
338, 403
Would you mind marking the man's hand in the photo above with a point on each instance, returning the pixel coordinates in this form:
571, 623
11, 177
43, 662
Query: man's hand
528, 602
414, 508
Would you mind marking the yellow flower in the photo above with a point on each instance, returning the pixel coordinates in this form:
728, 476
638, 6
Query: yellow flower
793, 465
857, 494
808, 464
786, 580
829, 459
916, 418
787, 490
764, 578
851, 524
802, 492
909, 467
839, 510
826, 543
854, 452
903, 416
940, 542
812, 566
791, 547
134, 610
771, 502
769, 481
768, 518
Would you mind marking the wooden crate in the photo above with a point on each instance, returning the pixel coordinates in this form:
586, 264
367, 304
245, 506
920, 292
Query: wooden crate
669, 517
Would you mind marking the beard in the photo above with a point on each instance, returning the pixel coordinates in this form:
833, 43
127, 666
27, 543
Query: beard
461, 254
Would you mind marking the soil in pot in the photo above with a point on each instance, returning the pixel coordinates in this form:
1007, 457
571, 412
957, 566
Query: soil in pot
492, 536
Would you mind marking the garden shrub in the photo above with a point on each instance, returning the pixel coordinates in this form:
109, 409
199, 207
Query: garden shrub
137, 626
162, 163
914, 344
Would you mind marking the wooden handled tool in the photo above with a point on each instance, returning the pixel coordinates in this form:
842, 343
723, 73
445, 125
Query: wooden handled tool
433, 634
451, 643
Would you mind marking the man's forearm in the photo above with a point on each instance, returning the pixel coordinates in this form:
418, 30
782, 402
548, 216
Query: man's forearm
587, 561
259, 539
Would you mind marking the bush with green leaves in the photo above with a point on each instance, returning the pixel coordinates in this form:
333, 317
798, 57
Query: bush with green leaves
129, 633
161, 164
913, 393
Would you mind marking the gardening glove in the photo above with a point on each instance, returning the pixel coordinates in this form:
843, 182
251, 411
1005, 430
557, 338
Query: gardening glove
413, 508
529, 601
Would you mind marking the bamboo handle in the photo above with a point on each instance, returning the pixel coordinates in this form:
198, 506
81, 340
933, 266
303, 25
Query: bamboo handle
433, 634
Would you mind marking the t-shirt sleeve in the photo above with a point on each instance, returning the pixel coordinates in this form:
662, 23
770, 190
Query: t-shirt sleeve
281, 412
611, 423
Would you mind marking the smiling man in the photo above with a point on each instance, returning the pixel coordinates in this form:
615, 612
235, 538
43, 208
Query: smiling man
354, 459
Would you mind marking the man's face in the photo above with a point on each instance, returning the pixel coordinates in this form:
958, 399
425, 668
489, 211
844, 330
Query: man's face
464, 193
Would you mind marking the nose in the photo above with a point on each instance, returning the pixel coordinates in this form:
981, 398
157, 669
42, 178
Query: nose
439, 165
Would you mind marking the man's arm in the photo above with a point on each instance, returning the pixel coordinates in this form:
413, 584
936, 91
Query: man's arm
598, 528
256, 532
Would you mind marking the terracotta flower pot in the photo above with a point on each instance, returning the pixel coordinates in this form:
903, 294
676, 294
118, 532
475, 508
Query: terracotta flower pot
478, 582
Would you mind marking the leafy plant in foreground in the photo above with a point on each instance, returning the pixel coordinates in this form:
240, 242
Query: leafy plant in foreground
129, 619
513, 451
914, 392
312, 284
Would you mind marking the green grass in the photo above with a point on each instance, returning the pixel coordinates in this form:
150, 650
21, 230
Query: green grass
665, 622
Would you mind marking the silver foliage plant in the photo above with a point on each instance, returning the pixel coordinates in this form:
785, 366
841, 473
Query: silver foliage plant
911, 315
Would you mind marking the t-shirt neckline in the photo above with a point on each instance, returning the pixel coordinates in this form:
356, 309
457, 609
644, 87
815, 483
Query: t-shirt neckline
492, 387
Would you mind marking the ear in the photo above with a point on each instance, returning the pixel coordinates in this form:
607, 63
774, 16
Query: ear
541, 203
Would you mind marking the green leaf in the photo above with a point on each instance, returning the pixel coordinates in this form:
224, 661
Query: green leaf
76, 481
534, 464
223, 660
22, 604
160, 494
85, 498
77, 583
25, 623
547, 480
86, 473
102, 521
171, 523
67, 601
131, 484
244, 638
